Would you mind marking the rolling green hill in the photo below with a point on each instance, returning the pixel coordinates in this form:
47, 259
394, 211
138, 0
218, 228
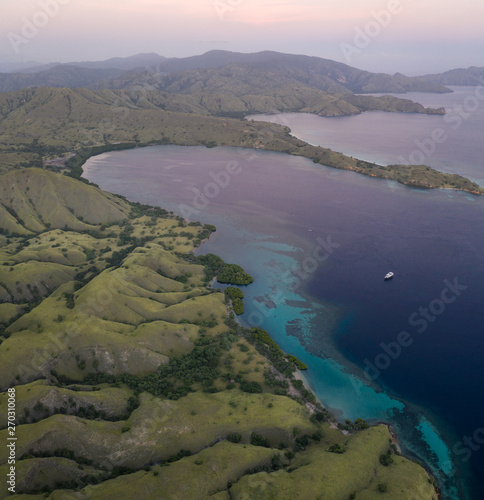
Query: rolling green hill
36, 201
132, 378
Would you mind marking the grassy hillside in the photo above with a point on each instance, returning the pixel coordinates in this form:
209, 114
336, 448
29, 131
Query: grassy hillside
131, 377
42, 200
41, 125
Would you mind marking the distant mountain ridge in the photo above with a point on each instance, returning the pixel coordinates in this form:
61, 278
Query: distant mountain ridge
218, 58
258, 70
124, 63
472, 76
17, 67
58, 76
323, 74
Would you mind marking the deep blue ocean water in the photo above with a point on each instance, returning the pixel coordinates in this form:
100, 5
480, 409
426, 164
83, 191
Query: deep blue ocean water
318, 242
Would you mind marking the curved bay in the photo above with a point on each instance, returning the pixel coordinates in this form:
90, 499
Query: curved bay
319, 241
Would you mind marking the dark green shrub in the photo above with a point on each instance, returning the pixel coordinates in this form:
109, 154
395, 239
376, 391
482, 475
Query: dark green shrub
257, 440
234, 437
336, 448
251, 387
386, 458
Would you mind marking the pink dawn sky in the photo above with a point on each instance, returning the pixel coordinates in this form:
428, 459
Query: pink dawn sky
411, 36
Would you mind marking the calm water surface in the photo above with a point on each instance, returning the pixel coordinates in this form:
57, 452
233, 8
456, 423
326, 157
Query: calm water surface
319, 241
389, 138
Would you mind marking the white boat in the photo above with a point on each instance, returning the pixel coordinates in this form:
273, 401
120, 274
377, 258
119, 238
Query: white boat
389, 275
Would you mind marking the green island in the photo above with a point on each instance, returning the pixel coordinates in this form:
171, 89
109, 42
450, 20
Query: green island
131, 374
